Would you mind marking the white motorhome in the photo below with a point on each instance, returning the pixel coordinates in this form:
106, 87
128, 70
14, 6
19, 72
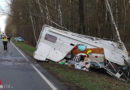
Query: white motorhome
54, 44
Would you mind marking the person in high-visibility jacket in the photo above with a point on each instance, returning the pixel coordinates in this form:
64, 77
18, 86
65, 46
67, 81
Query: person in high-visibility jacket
5, 42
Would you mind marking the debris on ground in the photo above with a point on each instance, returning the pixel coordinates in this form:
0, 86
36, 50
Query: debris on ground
82, 52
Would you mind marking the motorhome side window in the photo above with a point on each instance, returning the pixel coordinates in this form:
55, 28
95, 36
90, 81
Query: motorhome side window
50, 38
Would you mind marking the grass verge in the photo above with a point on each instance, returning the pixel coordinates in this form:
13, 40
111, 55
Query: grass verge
25, 47
76, 79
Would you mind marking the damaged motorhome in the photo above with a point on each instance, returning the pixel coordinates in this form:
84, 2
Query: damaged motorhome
81, 51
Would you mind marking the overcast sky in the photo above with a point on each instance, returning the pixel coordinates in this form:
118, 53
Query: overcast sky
3, 6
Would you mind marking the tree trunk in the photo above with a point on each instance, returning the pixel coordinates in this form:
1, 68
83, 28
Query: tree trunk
81, 15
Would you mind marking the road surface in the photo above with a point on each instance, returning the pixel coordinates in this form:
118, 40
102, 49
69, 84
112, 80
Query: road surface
17, 72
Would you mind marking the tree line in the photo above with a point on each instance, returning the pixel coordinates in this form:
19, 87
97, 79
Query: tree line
89, 17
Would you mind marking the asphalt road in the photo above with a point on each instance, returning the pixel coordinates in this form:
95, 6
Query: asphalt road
17, 72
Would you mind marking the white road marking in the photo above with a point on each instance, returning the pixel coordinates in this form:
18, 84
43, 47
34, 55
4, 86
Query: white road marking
42, 76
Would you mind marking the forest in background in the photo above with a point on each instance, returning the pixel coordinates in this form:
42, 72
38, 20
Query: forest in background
88, 17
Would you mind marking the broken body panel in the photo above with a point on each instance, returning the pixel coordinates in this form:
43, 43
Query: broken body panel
55, 44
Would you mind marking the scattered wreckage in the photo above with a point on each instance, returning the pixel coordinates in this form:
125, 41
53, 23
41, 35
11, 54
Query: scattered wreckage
83, 52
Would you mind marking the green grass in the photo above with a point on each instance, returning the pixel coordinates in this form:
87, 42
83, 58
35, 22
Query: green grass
86, 80
89, 80
25, 47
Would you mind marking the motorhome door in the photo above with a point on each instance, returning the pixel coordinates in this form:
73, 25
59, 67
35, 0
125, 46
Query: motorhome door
58, 53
